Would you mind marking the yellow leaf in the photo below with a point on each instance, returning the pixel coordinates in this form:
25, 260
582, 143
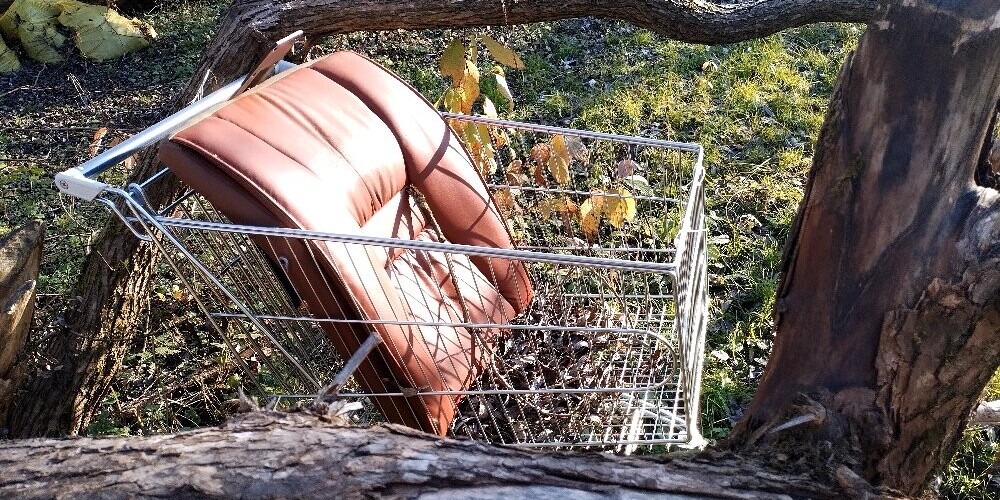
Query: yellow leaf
506, 202
502, 54
561, 205
545, 208
630, 209
470, 87
500, 137
559, 160
504, 89
453, 100
619, 209
101, 33
177, 293
8, 61
453, 62
590, 216
34, 23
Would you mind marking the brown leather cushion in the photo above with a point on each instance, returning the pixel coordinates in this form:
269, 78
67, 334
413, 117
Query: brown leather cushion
338, 145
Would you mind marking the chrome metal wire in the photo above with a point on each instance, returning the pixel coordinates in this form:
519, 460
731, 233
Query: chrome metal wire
609, 353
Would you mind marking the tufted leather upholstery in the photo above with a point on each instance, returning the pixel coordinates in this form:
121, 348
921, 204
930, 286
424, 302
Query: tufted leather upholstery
341, 145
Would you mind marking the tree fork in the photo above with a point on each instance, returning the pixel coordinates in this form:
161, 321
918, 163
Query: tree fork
889, 295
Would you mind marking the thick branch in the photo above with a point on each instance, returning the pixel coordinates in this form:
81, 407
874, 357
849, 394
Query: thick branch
696, 21
274, 455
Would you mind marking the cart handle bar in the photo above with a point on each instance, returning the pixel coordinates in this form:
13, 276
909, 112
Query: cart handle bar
78, 181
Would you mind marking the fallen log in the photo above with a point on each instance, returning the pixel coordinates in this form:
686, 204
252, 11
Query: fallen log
302, 455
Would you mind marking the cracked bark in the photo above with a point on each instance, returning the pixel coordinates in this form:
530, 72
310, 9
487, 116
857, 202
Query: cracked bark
20, 256
274, 455
889, 298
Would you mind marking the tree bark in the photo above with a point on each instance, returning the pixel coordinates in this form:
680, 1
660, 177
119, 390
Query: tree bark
274, 455
115, 280
887, 313
20, 255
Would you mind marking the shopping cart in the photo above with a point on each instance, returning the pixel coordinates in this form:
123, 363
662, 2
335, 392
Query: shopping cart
606, 352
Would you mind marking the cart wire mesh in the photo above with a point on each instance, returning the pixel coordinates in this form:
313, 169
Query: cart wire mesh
607, 356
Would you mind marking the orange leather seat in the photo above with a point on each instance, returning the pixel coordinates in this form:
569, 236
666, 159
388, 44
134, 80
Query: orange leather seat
341, 145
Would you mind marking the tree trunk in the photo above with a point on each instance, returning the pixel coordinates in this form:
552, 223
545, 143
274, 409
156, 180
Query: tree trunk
887, 314
114, 284
274, 455
20, 255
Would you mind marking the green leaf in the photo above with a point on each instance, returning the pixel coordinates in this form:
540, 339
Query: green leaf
8, 61
101, 33
453, 62
453, 100
638, 183
34, 23
501, 53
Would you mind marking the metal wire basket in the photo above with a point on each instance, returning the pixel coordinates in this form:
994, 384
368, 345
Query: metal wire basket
609, 353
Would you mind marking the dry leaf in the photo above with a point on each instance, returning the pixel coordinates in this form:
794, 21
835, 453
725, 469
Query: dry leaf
540, 153
502, 53
453, 62
515, 173
577, 149
95, 143
505, 202
536, 172
625, 168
